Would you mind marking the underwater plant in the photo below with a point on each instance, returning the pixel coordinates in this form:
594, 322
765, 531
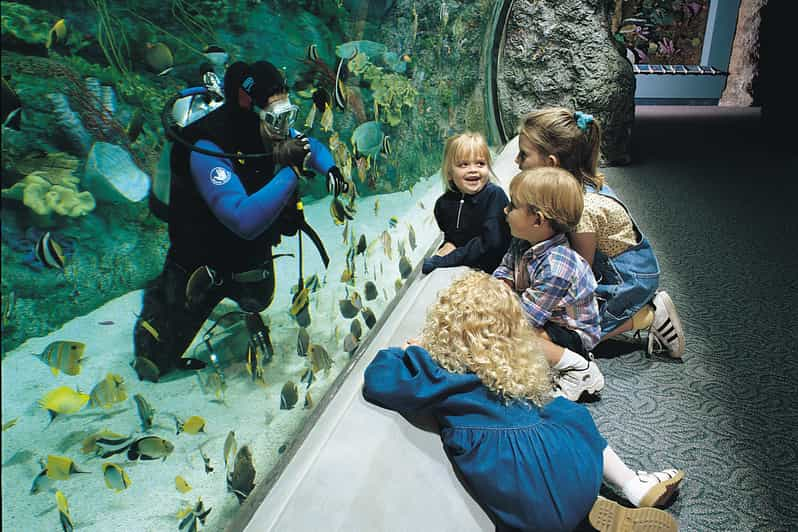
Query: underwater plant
111, 37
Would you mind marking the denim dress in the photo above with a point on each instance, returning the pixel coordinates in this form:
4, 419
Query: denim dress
627, 281
531, 468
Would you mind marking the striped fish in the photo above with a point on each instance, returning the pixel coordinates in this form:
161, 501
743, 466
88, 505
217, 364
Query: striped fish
340, 92
313, 52
63, 355
49, 252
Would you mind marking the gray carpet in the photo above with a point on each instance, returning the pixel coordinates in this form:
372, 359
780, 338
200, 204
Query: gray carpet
718, 203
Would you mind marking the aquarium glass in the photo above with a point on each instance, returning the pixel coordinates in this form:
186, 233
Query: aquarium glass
85, 174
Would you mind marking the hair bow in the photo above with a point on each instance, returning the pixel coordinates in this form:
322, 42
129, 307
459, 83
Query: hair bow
583, 120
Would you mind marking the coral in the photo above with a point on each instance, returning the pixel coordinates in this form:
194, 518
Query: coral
25, 27
69, 124
391, 92
57, 196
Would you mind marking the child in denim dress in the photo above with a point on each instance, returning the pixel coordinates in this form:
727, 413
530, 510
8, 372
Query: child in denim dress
532, 463
622, 259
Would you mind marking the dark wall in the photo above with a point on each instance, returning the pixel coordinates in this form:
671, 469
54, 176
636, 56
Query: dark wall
773, 88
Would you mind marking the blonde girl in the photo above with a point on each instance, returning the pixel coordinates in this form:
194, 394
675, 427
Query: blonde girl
623, 261
531, 462
470, 212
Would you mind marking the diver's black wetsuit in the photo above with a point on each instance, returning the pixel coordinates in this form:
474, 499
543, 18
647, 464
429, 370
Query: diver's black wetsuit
198, 239
225, 215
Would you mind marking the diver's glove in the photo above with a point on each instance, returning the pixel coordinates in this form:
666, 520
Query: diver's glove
335, 181
292, 152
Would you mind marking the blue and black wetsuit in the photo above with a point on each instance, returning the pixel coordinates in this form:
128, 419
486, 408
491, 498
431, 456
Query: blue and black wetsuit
224, 214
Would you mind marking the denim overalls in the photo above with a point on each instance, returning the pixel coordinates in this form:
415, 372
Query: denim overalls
627, 281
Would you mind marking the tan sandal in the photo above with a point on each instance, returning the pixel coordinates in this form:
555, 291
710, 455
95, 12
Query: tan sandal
609, 516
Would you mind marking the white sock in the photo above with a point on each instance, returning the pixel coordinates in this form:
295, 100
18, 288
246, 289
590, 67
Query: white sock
616, 472
570, 360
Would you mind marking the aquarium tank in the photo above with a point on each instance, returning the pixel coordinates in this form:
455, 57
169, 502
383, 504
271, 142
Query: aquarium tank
94, 96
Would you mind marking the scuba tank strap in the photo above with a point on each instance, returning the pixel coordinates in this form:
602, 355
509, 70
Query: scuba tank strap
305, 227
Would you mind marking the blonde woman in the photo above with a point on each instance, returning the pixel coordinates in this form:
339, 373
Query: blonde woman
533, 463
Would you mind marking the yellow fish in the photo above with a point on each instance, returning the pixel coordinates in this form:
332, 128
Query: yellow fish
57, 33
386, 245
63, 400
192, 425
115, 477
308, 400
181, 484
8, 424
230, 448
63, 512
108, 391
63, 355
300, 302
60, 467
327, 118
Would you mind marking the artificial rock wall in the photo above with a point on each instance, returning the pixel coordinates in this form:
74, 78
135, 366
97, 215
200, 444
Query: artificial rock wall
561, 52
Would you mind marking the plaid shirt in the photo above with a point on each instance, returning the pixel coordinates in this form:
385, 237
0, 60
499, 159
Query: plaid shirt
555, 284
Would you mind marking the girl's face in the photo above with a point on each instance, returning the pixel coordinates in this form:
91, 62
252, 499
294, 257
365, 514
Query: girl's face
529, 156
470, 174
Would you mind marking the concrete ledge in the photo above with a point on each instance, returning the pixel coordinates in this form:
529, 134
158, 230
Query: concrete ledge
362, 468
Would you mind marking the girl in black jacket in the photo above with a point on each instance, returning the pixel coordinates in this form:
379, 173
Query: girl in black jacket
471, 210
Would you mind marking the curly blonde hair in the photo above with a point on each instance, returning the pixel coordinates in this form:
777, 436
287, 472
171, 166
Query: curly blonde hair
478, 325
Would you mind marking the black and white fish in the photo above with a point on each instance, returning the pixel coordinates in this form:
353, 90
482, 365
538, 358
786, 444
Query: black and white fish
49, 252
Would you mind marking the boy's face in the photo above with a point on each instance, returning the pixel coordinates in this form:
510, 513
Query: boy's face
529, 156
470, 174
527, 224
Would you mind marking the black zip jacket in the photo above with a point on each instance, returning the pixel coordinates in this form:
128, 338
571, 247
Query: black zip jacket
476, 225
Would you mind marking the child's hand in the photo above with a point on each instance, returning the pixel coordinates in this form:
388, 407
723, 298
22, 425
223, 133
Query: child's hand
411, 341
445, 249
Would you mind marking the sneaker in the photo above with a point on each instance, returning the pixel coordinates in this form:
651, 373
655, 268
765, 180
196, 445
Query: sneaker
665, 333
653, 489
572, 383
609, 516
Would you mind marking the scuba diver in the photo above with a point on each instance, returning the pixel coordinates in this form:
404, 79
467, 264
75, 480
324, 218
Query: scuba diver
233, 194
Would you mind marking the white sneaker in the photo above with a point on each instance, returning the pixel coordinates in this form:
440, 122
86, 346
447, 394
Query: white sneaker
573, 382
653, 489
665, 333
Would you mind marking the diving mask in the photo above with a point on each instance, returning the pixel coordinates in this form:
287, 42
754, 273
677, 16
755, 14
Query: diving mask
278, 116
